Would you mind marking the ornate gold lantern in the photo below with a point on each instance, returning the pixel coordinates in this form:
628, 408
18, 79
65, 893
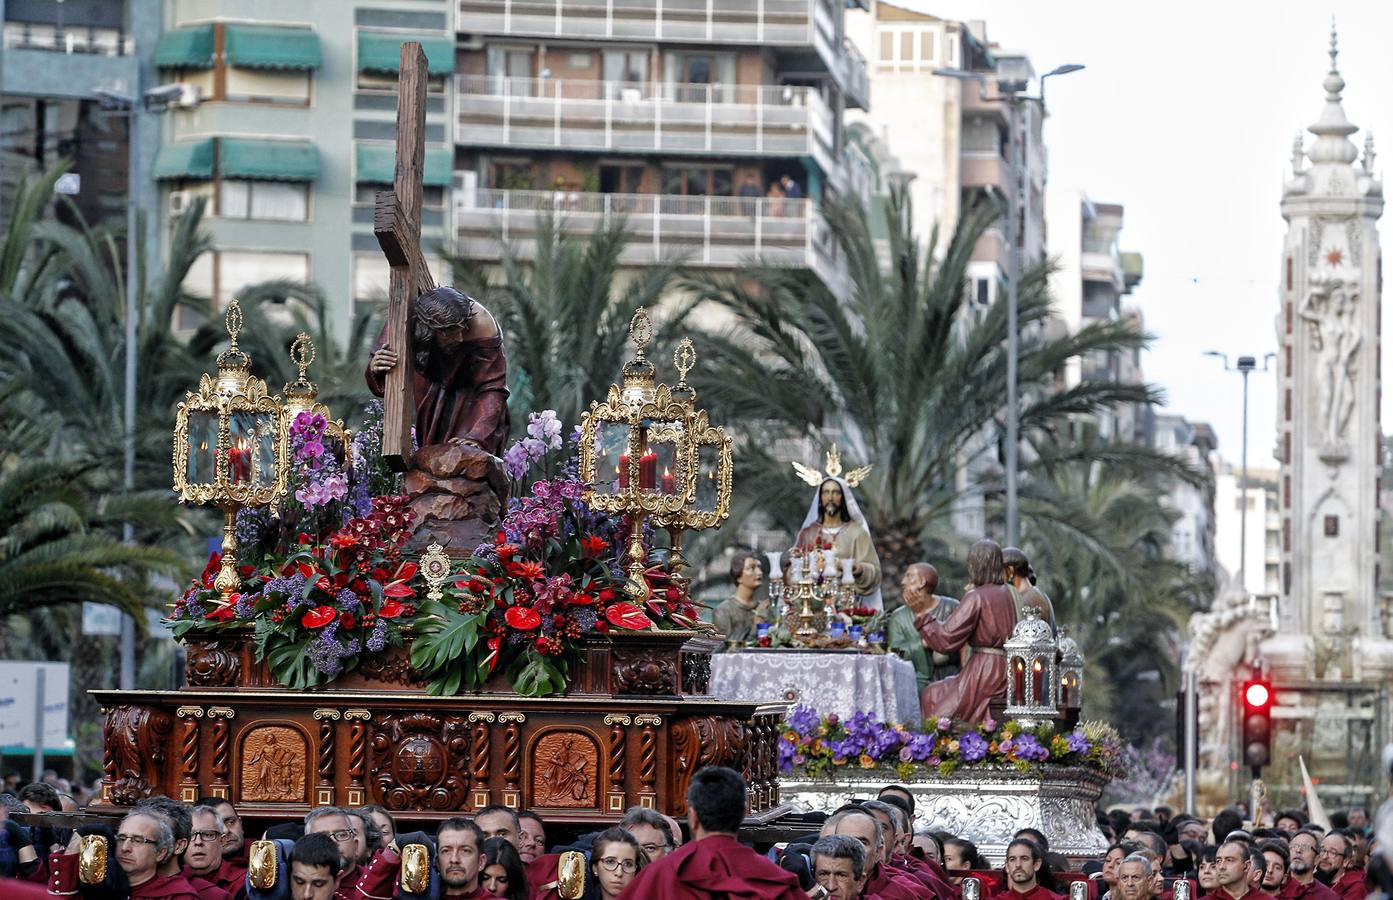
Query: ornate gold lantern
231, 445
1032, 676
645, 448
1070, 673
302, 395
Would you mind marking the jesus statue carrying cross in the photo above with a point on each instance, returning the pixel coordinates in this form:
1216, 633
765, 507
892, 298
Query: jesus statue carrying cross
439, 363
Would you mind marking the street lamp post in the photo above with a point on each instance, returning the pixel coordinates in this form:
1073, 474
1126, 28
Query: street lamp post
155, 100
1246, 366
1011, 82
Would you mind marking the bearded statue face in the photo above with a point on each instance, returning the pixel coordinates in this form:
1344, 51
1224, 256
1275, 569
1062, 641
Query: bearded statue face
830, 500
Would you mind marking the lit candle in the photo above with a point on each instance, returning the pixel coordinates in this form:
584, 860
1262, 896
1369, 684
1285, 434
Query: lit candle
1039, 679
623, 471
239, 464
669, 485
648, 470
1018, 678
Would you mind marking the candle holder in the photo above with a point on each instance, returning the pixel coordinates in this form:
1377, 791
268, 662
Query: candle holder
644, 428
1032, 676
1070, 673
231, 446
302, 395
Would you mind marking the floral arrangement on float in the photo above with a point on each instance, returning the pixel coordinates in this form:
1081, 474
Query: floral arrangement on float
819, 747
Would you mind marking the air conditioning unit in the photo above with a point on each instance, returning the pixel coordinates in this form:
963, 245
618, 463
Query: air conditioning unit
190, 95
179, 202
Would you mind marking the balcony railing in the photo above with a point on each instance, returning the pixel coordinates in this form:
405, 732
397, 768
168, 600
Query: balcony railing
791, 23
730, 119
98, 41
717, 232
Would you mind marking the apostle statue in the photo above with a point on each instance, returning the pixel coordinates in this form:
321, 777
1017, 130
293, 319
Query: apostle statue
1020, 578
917, 591
738, 617
461, 383
983, 622
834, 522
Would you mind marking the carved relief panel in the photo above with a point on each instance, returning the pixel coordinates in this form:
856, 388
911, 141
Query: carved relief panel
565, 771
421, 761
273, 764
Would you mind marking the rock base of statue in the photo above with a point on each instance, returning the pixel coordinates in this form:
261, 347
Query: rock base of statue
984, 804
457, 492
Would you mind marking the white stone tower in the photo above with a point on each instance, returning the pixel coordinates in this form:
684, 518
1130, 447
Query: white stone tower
1329, 623
1330, 658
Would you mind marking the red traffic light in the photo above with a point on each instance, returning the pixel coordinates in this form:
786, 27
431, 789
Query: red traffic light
1256, 695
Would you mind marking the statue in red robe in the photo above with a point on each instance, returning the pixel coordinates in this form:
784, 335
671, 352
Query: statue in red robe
983, 622
461, 382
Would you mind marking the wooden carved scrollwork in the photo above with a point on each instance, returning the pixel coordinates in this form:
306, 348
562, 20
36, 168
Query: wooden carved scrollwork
647, 758
357, 753
644, 672
700, 741
419, 761
480, 757
512, 753
618, 761
325, 760
213, 663
188, 751
137, 737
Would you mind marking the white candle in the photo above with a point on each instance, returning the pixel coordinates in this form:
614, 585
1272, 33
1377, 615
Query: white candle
829, 563
847, 577
797, 568
776, 570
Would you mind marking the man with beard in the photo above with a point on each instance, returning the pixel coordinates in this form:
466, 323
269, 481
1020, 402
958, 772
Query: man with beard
367, 841
983, 621
1234, 871
1333, 867
1278, 859
144, 842
714, 864
203, 858
1301, 883
834, 522
459, 857
839, 866
1024, 864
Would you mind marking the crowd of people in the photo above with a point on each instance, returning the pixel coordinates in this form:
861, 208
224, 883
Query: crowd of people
874, 849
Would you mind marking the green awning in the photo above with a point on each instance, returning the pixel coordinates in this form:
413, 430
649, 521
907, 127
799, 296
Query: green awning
377, 164
382, 52
191, 160
261, 47
267, 160
185, 48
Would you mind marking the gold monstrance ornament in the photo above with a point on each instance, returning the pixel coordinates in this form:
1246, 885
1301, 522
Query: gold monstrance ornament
231, 446
646, 452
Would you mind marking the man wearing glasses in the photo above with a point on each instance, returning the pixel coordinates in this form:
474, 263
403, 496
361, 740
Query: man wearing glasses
335, 823
1333, 867
231, 875
203, 858
144, 841
1301, 882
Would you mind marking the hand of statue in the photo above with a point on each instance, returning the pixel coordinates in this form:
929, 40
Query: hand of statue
918, 603
856, 569
383, 360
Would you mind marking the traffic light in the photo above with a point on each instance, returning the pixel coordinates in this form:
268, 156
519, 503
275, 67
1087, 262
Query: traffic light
1256, 698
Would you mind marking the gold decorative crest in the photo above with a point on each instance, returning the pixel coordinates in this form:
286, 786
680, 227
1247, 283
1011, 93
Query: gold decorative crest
834, 470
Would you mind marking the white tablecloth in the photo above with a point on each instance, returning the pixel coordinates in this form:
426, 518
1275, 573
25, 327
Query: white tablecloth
829, 682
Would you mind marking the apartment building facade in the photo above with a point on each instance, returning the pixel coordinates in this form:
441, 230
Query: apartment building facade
713, 128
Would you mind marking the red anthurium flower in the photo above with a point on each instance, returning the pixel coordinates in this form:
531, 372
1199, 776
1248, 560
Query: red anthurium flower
397, 589
493, 643
244, 571
627, 615
391, 609
582, 599
319, 617
607, 595
594, 545
406, 571
523, 618
305, 569
221, 614
303, 538
347, 621
214, 563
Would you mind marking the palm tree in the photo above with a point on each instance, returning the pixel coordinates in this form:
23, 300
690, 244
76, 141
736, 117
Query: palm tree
565, 314
909, 379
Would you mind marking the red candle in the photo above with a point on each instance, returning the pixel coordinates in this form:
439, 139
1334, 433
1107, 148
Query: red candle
648, 470
669, 486
1039, 679
239, 464
1018, 674
623, 471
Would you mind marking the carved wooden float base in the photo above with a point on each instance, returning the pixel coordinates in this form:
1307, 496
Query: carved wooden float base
574, 759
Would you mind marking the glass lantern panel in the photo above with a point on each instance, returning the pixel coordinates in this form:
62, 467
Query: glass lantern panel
708, 487
243, 452
611, 457
660, 467
264, 450
203, 447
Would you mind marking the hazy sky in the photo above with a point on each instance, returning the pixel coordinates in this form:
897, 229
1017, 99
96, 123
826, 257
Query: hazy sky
1186, 115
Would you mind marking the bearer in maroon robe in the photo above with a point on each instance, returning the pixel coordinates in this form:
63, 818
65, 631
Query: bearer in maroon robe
1024, 860
983, 621
143, 842
714, 865
882, 883
461, 383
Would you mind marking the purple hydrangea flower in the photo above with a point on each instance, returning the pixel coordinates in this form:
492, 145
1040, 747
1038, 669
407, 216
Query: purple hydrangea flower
973, 747
1078, 742
1027, 747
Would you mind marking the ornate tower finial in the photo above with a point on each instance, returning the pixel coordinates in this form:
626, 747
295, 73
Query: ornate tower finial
1332, 129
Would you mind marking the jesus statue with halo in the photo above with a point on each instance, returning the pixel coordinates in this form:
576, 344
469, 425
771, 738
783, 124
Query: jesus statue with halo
835, 523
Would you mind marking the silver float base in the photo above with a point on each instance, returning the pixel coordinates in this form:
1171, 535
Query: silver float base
984, 804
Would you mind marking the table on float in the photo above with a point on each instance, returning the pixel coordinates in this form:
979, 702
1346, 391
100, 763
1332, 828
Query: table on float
829, 681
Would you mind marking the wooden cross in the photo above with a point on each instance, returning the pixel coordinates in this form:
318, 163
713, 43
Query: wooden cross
397, 223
